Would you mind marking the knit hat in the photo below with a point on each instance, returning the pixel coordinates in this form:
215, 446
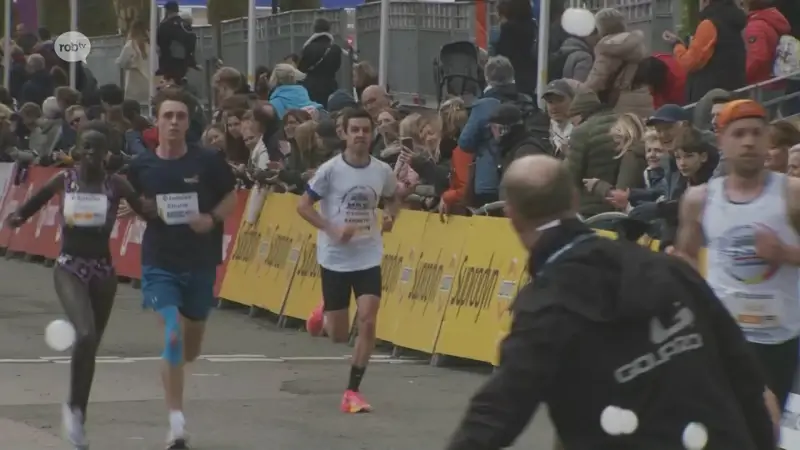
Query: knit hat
609, 21
738, 110
585, 101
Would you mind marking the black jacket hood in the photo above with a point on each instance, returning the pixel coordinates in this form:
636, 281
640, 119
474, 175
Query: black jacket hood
727, 12
617, 282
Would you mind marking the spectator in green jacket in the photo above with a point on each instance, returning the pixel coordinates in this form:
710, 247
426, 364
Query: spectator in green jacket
592, 150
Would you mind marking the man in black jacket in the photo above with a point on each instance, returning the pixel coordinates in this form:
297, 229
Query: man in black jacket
513, 139
176, 44
609, 323
320, 60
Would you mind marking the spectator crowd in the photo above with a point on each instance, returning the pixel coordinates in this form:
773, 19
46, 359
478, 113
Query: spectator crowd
614, 111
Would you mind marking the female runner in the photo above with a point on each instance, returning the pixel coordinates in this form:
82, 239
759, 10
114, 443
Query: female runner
85, 280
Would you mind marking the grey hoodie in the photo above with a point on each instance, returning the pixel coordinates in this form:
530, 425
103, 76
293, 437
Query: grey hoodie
579, 60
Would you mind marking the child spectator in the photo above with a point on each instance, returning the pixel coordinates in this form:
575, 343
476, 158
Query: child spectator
782, 136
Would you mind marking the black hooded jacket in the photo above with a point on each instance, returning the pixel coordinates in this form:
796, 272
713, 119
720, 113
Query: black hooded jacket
320, 60
519, 142
726, 68
517, 42
639, 330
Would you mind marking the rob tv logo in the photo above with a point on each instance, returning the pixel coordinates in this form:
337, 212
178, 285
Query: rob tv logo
72, 46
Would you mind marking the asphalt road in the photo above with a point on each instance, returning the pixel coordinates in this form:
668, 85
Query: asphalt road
257, 387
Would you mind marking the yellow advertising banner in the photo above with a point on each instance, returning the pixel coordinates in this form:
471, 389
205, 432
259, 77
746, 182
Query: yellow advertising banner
271, 273
416, 317
234, 285
263, 261
491, 268
446, 287
305, 292
401, 248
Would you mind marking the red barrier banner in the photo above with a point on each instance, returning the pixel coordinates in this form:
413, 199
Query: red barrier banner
41, 234
47, 223
22, 238
128, 256
12, 200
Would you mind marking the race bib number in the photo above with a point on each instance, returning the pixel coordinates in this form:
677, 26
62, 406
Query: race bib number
755, 310
85, 210
177, 209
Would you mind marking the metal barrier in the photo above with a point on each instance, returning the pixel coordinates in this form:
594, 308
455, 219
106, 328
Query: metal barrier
761, 93
417, 31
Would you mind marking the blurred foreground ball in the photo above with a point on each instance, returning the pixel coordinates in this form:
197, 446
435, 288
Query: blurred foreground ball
59, 335
578, 22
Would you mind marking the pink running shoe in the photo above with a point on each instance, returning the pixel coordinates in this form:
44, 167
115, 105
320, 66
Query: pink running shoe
316, 321
354, 403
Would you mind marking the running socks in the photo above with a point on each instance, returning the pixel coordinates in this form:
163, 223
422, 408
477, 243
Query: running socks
177, 423
72, 421
356, 374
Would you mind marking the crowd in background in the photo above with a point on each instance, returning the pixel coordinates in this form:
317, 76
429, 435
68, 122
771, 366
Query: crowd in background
614, 110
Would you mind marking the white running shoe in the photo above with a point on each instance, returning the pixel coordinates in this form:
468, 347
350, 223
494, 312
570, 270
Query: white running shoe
177, 440
72, 421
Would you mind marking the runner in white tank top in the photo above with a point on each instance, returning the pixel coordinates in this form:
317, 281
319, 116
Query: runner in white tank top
761, 295
748, 220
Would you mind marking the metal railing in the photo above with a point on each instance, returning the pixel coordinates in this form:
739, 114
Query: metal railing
757, 91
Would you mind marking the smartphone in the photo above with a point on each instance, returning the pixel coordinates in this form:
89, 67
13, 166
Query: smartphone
408, 143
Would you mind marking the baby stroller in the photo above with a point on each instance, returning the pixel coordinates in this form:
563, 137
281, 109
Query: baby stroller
457, 72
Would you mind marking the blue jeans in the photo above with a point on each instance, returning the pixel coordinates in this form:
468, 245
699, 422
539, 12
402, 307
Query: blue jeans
192, 291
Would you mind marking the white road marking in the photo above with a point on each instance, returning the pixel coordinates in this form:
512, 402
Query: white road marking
234, 358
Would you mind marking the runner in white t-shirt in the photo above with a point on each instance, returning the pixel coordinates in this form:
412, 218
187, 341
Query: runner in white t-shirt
349, 188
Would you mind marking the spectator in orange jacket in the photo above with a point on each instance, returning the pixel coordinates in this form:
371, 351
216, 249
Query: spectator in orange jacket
765, 26
459, 182
716, 56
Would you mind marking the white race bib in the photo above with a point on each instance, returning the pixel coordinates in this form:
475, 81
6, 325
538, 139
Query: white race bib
85, 210
177, 209
755, 310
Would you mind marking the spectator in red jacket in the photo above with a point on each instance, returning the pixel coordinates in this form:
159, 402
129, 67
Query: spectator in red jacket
150, 137
765, 26
665, 77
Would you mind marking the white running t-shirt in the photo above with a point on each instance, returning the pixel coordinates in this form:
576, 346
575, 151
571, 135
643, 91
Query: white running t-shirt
349, 195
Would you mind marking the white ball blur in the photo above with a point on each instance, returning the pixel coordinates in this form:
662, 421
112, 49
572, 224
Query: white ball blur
628, 421
616, 421
59, 335
578, 22
695, 436
610, 420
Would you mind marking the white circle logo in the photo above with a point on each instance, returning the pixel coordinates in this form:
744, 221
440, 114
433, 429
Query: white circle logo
73, 46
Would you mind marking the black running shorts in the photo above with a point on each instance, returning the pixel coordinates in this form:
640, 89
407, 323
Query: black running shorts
337, 286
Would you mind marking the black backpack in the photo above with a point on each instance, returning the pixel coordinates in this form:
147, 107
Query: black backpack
536, 122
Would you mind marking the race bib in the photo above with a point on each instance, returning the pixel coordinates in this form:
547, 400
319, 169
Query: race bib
85, 210
755, 310
177, 209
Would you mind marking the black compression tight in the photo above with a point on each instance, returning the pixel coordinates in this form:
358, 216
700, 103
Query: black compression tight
88, 307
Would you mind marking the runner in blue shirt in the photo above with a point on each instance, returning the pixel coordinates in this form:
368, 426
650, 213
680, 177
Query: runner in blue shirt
192, 189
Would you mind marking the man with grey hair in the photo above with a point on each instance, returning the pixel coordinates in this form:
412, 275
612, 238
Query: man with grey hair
476, 139
40, 84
